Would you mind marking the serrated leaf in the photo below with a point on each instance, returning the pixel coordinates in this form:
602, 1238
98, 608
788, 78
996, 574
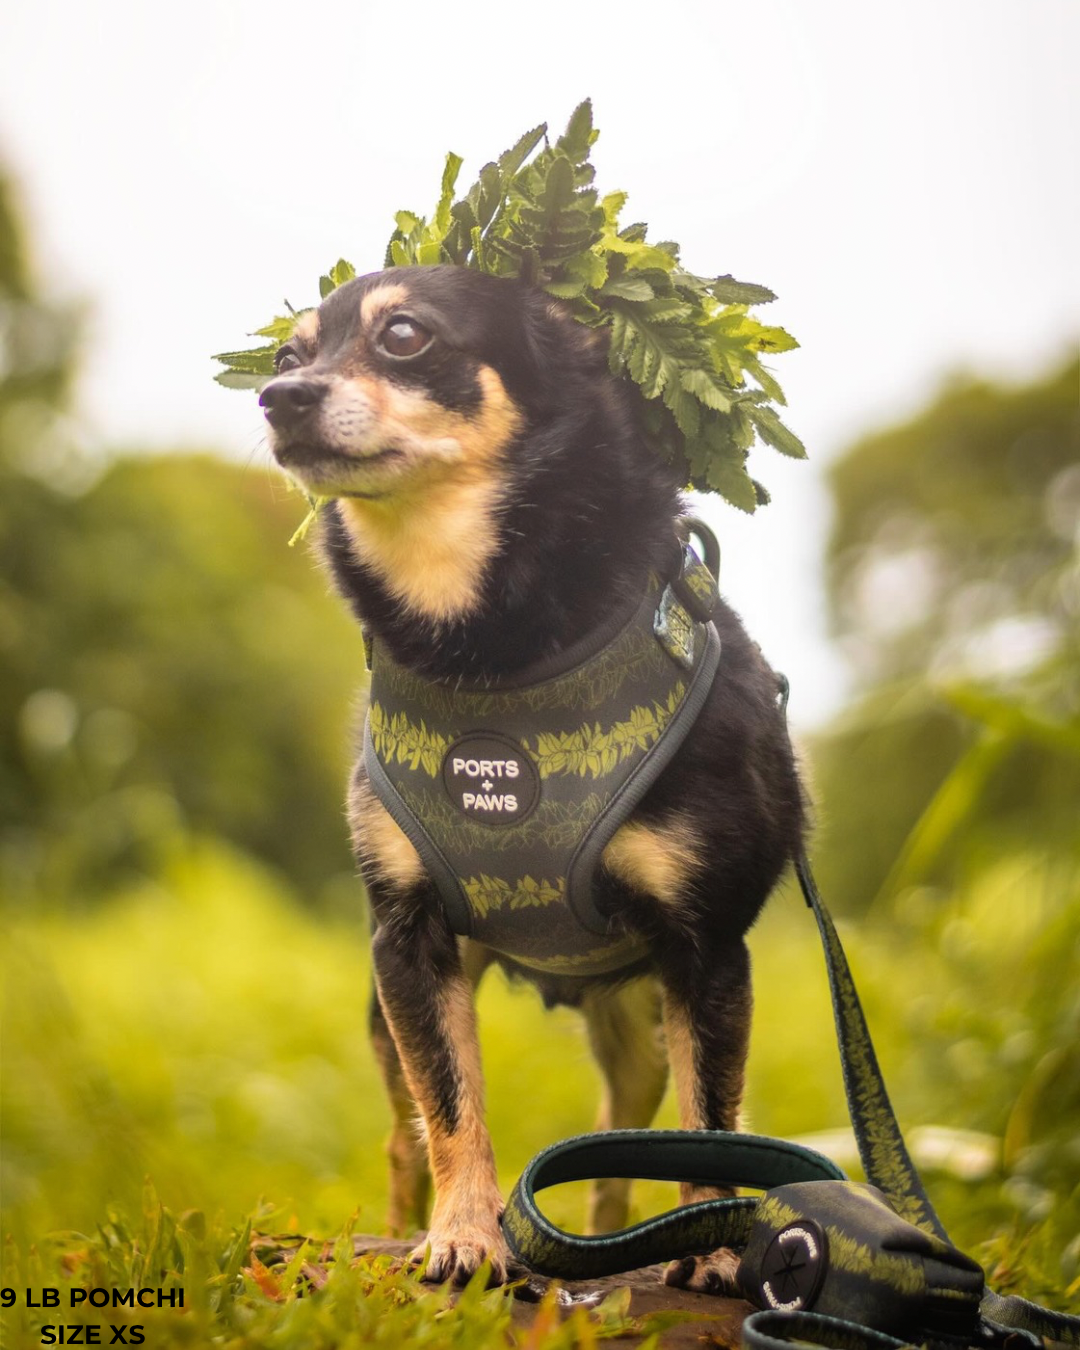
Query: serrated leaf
510, 161
341, 272
611, 205
579, 135
772, 340
765, 378
408, 223
705, 387
590, 266
402, 256
731, 292
686, 409
730, 479
255, 361
236, 379
280, 328
558, 191
451, 169
742, 427
628, 288
566, 290
637, 255
773, 432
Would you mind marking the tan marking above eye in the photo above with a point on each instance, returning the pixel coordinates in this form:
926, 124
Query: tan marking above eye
378, 301
307, 328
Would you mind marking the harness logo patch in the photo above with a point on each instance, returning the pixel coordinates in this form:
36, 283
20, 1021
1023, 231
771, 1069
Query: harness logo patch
490, 778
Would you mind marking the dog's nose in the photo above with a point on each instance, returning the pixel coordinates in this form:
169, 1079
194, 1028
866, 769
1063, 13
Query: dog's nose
286, 401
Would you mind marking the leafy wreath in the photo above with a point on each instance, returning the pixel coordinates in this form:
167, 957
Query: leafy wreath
686, 344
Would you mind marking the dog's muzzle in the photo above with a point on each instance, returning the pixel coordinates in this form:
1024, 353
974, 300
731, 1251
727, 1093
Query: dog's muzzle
285, 402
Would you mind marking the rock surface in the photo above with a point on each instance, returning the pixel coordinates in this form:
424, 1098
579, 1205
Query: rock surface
717, 1323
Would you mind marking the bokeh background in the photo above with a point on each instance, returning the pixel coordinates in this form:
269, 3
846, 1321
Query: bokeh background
184, 938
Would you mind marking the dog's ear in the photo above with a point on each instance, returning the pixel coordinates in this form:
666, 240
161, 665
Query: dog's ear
560, 353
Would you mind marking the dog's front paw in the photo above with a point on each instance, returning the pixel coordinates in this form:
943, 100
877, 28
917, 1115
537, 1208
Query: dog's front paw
458, 1253
712, 1274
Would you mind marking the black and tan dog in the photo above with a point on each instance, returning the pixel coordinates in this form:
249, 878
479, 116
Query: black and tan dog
494, 504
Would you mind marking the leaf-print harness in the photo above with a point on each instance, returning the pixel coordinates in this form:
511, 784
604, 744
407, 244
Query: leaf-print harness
510, 793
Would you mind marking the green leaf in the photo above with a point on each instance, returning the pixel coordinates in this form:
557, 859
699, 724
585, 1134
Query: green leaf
408, 223
706, 387
451, 170
510, 161
732, 292
773, 432
235, 379
764, 378
730, 479
341, 272
628, 288
590, 266
280, 328
579, 134
256, 361
566, 290
611, 205
772, 340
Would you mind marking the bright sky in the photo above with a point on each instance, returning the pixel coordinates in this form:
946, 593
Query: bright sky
903, 176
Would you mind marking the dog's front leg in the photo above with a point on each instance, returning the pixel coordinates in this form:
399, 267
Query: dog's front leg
428, 1003
707, 1009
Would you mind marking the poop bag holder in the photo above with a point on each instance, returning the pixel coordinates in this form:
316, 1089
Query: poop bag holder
838, 1249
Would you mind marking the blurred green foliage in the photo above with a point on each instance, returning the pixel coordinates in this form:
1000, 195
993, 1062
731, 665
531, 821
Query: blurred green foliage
954, 584
166, 662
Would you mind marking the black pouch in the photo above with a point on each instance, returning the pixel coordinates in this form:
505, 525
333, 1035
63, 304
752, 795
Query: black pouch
837, 1248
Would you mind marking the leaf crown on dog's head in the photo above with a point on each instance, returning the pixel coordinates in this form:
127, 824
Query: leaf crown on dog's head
686, 344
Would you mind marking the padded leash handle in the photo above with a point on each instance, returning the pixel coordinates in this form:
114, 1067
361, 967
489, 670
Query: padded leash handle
706, 1157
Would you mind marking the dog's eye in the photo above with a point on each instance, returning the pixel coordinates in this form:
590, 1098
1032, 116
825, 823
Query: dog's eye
404, 337
285, 359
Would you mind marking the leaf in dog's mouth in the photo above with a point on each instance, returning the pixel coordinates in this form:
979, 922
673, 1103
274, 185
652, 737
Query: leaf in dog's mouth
315, 505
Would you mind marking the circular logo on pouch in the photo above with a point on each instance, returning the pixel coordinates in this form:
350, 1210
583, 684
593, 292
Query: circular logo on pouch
793, 1266
490, 778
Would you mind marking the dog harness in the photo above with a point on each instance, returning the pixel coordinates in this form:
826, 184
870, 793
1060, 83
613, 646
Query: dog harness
510, 792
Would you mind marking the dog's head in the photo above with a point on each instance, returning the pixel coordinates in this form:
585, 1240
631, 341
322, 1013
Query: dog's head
419, 375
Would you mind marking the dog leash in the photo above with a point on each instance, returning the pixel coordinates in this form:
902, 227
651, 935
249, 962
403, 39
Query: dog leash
874, 1263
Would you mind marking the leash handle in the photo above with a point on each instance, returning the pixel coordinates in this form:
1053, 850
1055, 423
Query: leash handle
707, 1157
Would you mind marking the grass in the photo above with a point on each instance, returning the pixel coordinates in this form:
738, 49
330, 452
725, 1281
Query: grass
207, 1033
